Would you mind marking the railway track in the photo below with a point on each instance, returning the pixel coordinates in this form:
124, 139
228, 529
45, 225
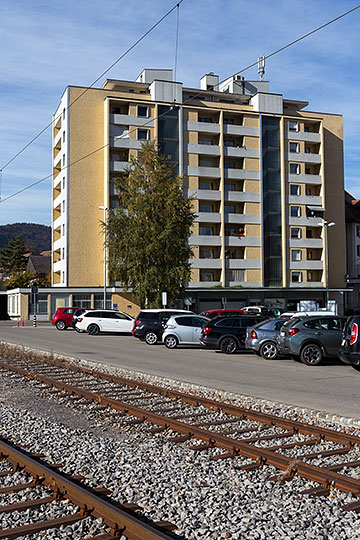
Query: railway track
329, 458
121, 519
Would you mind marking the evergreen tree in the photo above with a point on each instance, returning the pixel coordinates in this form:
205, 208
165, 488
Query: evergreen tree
12, 258
148, 231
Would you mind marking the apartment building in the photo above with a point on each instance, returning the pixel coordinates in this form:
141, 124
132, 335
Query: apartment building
264, 172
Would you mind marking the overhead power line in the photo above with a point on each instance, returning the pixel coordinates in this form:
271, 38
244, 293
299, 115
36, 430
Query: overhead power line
93, 83
193, 97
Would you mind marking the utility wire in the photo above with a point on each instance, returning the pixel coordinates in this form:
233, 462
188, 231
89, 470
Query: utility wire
92, 84
189, 99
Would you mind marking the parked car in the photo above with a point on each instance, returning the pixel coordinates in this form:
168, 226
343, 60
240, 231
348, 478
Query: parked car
311, 339
77, 313
63, 317
350, 344
104, 320
262, 337
212, 313
227, 333
258, 310
183, 330
149, 324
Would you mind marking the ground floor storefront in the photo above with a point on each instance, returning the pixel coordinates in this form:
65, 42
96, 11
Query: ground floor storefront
22, 304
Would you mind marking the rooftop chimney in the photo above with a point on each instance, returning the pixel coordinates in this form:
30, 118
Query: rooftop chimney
209, 81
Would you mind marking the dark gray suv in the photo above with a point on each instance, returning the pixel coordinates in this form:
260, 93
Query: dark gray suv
311, 339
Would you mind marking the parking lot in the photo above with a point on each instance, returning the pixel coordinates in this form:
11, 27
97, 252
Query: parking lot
331, 387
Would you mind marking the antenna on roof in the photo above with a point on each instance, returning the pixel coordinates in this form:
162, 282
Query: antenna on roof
261, 67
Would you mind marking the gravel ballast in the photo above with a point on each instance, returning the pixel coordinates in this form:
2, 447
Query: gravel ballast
205, 499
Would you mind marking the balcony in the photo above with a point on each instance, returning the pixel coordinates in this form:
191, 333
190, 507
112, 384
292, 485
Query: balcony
305, 199
118, 166
242, 241
208, 217
240, 264
208, 264
204, 194
208, 172
306, 265
303, 136
204, 240
202, 127
306, 243
242, 174
243, 218
128, 120
202, 284
230, 129
241, 152
303, 157
205, 149
307, 285
241, 196
304, 221
123, 142
305, 178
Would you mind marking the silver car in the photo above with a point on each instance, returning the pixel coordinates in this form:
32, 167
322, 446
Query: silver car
262, 337
183, 330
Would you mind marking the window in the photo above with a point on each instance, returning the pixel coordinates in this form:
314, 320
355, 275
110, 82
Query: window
294, 147
205, 231
294, 189
229, 165
99, 301
229, 209
205, 119
295, 232
63, 160
63, 206
63, 183
62, 277
358, 250
206, 276
64, 114
229, 144
82, 301
184, 321
63, 136
237, 275
205, 185
296, 255
42, 303
294, 168
295, 211
309, 276
63, 253
207, 142
143, 135
63, 229
229, 187
206, 253
293, 126
229, 121
296, 277
142, 111
205, 207
225, 322
308, 191
197, 322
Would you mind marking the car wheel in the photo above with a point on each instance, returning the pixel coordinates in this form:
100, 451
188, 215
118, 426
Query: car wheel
269, 350
93, 329
228, 345
171, 342
60, 325
151, 338
311, 355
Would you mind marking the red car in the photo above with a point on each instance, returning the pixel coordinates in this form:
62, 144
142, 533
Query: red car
212, 313
63, 316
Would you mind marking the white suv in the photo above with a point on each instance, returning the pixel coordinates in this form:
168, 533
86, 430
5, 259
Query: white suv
105, 320
183, 330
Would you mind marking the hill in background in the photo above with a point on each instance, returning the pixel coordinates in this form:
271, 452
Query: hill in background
36, 237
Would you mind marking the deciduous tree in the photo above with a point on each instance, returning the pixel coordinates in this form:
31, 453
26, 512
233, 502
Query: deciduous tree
148, 231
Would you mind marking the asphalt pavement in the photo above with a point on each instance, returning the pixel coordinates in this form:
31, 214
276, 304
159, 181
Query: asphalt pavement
331, 387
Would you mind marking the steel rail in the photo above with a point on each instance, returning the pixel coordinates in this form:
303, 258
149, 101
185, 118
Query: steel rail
90, 504
262, 456
297, 427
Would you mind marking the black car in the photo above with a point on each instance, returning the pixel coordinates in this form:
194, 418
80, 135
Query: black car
149, 324
228, 333
350, 345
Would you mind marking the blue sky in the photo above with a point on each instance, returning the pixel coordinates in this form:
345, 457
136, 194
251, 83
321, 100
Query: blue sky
44, 46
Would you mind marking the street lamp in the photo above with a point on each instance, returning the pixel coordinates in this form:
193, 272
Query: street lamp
105, 208
325, 224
